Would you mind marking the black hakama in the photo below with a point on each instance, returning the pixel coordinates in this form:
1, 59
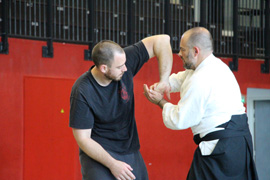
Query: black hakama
232, 158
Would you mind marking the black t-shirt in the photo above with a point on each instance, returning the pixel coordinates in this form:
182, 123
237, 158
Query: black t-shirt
109, 111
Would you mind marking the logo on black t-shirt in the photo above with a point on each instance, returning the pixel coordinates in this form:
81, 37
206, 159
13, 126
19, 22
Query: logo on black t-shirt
124, 93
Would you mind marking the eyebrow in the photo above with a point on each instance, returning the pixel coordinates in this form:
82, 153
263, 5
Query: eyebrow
120, 65
181, 48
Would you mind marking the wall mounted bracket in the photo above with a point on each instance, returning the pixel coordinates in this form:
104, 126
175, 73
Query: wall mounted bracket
234, 64
47, 51
265, 66
91, 21
4, 36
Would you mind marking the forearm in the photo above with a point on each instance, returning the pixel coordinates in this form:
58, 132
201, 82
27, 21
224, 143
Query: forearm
161, 103
160, 46
163, 52
96, 152
164, 57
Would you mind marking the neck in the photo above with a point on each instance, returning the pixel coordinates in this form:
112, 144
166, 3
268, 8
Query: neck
201, 58
99, 77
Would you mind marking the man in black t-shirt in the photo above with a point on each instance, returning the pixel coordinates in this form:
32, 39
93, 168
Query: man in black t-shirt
102, 108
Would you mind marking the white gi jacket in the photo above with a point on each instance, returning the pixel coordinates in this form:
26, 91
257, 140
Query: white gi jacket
210, 95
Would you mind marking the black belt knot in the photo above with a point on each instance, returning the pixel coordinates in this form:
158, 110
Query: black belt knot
237, 126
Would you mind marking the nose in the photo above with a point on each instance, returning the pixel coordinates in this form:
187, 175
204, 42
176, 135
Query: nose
124, 68
180, 54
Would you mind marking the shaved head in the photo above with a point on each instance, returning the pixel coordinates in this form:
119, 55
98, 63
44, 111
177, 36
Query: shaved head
199, 37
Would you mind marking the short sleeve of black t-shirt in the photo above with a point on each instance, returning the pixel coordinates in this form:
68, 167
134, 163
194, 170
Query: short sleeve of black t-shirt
109, 111
136, 55
80, 112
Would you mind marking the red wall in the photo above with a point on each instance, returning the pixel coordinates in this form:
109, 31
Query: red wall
167, 153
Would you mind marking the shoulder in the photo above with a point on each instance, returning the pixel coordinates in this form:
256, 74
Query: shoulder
81, 85
137, 49
136, 56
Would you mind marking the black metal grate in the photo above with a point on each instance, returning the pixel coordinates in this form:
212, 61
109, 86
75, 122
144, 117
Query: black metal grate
27, 19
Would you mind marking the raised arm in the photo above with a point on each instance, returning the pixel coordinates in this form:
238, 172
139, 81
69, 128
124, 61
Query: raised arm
160, 46
119, 169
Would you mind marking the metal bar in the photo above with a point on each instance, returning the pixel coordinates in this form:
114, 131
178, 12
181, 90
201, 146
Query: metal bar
35, 18
4, 36
109, 23
126, 23
91, 21
25, 17
265, 66
113, 21
122, 24
219, 28
159, 18
54, 27
15, 17
151, 18
130, 22
143, 19
163, 12
73, 21
117, 22
252, 41
47, 51
64, 20
86, 20
148, 15
82, 18
234, 64
9, 15
30, 18
44, 19
100, 21
105, 19
179, 25
155, 17
182, 17
167, 12
77, 21
174, 27
20, 17
139, 19
39, 18
203, 13
135, 21
96, 22
69, 20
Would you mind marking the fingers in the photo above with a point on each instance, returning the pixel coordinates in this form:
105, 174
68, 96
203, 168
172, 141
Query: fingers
122, 171
168, 94
146, 91
127, 176
129, 173
152, 95
154, 86
145, 88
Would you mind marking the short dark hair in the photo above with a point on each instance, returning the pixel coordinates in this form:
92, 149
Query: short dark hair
103, 52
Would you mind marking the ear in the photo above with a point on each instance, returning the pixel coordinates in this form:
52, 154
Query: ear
103, 68
196, 51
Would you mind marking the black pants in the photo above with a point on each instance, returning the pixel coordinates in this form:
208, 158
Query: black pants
93, 170
232, 158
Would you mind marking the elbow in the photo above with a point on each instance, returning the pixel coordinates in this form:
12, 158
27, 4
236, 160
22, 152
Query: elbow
174, 125
173, 120
166, 38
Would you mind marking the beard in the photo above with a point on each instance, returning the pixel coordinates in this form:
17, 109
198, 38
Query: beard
109, 76
189, 64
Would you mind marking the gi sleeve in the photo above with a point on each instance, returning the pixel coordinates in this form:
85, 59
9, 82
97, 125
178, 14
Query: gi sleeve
176, 81
190, 109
